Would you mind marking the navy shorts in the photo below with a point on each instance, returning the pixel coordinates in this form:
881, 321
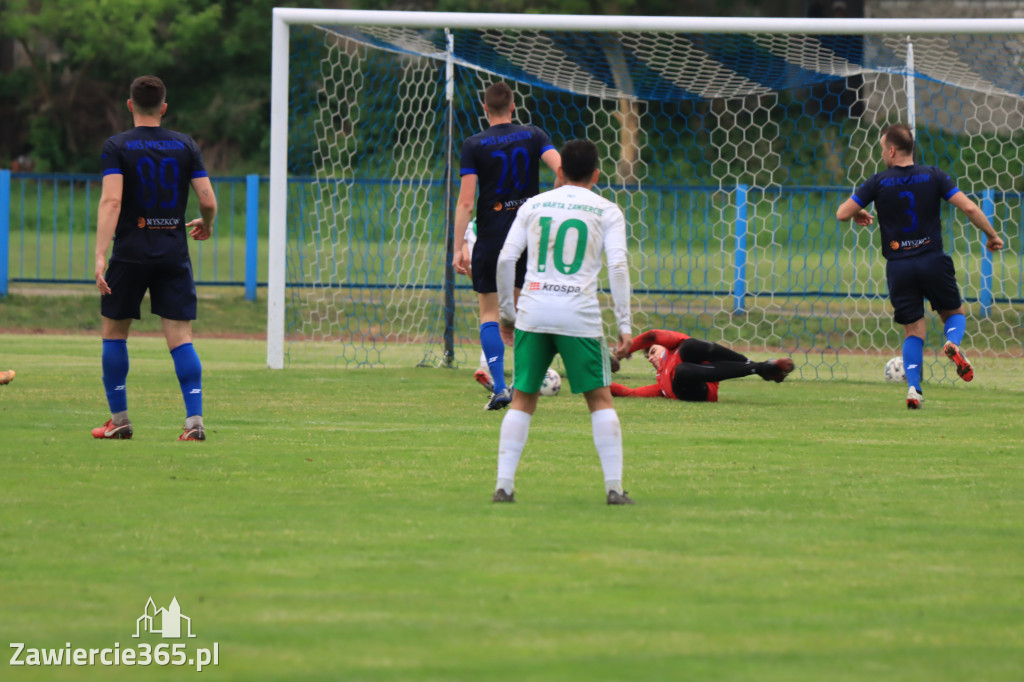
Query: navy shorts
911, 280
172, 291
485, 267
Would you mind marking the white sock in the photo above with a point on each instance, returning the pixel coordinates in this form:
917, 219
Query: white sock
483, 363
194, 421
608, 441
515, 427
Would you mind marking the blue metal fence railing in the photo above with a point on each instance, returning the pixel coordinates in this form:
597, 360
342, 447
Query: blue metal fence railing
48, 224
777, 241
5, 228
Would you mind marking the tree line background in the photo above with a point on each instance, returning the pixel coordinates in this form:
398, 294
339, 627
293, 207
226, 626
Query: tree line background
65, 67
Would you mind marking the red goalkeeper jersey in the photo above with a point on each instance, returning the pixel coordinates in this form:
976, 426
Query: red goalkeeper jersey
671, 341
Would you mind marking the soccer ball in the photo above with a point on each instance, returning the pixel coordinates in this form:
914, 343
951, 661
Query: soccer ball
894, 370
552, 383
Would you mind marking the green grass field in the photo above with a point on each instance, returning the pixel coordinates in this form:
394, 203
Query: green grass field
337, 526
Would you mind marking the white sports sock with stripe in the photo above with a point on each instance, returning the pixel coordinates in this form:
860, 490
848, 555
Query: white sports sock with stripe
515, 428
608, 441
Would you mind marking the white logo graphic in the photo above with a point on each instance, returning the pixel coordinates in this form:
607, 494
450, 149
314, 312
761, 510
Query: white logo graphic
170, 621
195, 390
165, 622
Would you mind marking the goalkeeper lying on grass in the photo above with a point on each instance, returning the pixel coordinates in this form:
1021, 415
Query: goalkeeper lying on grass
690, 369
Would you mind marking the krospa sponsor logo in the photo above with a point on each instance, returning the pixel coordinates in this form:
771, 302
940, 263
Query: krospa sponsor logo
555, 288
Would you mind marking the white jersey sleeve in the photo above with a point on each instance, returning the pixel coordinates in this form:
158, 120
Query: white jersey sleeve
471, 235
617, 256
515, 243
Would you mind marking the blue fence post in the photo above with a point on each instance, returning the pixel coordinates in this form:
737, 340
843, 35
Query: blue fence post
252, 232
988, 207
739, 288
5, 228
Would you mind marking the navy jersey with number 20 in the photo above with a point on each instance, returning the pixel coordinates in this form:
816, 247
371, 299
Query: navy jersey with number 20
158, 166
505, 158
908, 200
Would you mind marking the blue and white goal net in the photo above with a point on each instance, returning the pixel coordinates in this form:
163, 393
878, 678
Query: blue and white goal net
729, 153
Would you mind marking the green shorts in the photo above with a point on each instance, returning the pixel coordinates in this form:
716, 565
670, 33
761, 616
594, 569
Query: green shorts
586, 361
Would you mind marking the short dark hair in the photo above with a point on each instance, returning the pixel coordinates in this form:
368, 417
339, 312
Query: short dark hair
148, 94
900, 135
498, 98
579, 160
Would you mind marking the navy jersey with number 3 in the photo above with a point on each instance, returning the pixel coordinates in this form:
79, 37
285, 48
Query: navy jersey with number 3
505, 158
158, 166
908, 200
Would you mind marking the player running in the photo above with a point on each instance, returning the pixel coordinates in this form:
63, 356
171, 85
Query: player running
690, 369
504, 161
908, 198
147, 172
564, 233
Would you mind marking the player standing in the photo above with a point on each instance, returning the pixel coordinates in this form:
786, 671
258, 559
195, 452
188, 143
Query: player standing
504, 161
908, 198
483, 372
564, 233
147, 172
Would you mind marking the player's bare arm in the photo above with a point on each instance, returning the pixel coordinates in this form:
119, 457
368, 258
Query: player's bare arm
508, 333
978, 219
468, 257
463, 211
554, 161
202, 228
625, 341
106, 224
851, 209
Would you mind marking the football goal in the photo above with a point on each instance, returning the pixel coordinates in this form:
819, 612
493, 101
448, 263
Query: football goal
729, 143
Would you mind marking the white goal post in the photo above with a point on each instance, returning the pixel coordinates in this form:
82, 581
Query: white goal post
727, 142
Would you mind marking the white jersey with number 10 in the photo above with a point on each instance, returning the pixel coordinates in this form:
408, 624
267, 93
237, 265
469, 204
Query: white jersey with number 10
565, 233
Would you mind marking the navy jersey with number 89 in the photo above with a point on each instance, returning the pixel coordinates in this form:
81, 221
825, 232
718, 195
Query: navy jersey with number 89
158, 166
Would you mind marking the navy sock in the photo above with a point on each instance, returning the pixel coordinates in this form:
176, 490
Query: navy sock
115, 373
494, 350
955, 327
913, 359
190, 378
